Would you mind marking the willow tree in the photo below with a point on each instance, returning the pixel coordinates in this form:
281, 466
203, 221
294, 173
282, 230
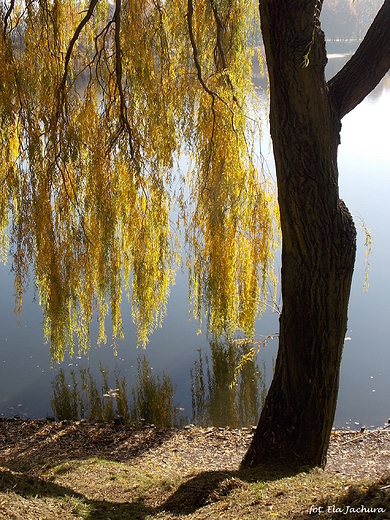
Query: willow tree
97, 102
318, 245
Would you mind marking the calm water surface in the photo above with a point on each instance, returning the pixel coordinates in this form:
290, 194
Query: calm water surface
26, 374
364, 163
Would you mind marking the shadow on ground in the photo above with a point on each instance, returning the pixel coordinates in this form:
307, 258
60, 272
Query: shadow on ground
212, 486
44, 446
26, 442
205, 488
33, 487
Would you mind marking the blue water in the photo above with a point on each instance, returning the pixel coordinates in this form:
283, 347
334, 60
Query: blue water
364, 163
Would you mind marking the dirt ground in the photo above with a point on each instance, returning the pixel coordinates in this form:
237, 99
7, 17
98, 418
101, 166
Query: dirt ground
54, 453
360, 454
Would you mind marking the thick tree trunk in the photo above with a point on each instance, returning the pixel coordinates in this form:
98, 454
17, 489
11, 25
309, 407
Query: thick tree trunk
318, 248
361, 74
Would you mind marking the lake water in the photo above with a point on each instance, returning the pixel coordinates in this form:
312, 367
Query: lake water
27, 379
364, 164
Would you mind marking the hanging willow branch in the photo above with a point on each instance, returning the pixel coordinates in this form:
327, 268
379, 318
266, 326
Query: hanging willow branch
213, 94
71, 45
118, 71
6, 17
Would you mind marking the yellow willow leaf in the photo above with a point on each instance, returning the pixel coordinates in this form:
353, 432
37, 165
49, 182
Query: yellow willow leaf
98, 104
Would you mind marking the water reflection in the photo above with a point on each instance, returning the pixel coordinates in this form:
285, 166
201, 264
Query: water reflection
227, 390
232, 390
364, 184
151, 399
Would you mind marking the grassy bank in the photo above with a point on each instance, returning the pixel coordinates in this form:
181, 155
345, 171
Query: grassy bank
102, 472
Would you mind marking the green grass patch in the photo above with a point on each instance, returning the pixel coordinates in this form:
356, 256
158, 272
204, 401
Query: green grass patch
101, 489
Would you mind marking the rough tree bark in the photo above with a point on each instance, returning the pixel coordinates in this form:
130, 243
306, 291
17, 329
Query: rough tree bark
318, 246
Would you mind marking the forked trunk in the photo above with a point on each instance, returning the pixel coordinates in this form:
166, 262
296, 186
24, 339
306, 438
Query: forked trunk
318, 248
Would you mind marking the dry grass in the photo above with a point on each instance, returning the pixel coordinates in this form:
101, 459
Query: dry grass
73, 470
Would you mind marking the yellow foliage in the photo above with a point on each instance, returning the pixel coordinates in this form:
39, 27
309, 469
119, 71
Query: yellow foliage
97, 103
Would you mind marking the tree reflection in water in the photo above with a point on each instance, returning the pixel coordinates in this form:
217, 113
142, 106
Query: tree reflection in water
229, 391
151, 398
235, 389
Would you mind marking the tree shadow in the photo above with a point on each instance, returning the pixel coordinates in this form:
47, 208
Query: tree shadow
51, 444
34, 487
211, 486
360, 503
204, 488
48, 445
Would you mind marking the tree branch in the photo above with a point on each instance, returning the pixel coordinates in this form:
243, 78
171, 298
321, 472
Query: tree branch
362, 73
190, 14
220, 30
214, 95
219, 46
7, 16
74, 39
119, 72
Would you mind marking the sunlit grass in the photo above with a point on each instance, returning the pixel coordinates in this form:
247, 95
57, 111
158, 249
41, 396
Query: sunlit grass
95, 488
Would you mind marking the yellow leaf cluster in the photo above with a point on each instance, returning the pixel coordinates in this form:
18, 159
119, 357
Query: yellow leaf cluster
97, 102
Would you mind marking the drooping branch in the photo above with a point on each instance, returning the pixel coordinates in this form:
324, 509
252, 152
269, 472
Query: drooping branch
7, 16
220, 30
119, 73
190, 14
362, 73
219, 50
74, 39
